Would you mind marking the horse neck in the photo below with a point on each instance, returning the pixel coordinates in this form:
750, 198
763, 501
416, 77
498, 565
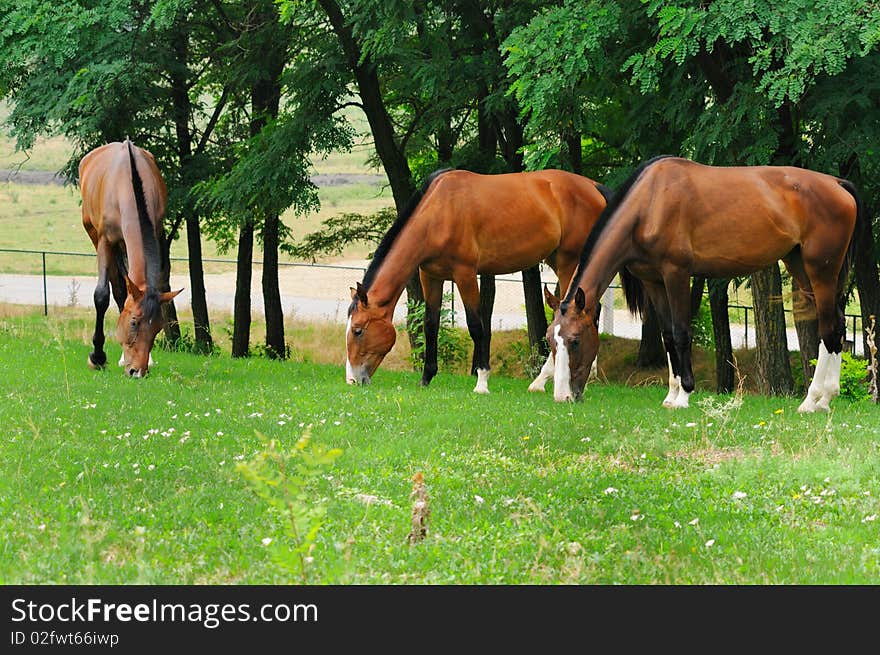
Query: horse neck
613, 249
403, 259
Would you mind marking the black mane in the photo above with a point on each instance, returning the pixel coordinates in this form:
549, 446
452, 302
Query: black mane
397, 227
603, 220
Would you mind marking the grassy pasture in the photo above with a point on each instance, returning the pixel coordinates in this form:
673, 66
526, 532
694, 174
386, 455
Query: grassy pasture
109, 480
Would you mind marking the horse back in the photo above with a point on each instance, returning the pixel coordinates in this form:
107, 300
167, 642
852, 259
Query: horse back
508, 222
108, 203
723, 221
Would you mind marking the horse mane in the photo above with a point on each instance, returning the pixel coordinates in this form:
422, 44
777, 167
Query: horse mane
604, 219
150, 305
396, 228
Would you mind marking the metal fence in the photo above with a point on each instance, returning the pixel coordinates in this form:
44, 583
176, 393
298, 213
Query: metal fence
320, 291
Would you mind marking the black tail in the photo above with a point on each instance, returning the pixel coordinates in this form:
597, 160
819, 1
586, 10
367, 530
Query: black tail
148, 238
614, 203
634, 292
397, 226
842, 278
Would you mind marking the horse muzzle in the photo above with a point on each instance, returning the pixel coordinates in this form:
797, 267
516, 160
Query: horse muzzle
356, 374
137, 372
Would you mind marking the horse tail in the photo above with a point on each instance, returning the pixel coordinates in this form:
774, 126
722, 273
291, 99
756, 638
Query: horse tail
148, 233
842, 288
398, 225
634, 292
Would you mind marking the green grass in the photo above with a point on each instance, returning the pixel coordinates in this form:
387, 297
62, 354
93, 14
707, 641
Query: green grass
109, 480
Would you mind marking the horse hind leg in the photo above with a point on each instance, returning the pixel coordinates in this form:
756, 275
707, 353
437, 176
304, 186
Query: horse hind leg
825, 385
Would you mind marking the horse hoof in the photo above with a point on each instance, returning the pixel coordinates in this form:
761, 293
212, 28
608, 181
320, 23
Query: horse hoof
482, 391
807, 407
536, 388
97, 365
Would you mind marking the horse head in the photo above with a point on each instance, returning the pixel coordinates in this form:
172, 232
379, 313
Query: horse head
139, 322
369, 336
573, 336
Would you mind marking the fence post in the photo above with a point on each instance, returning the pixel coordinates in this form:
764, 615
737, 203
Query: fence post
45, 297
747, 326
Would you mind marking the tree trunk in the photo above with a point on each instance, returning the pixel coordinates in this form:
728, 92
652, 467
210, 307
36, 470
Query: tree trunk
204, 342
265, 101
169, 311
536, 319
571, 142
718, 302
241, 319
275, 346
652, 353
807, 325
182, 111
774, 369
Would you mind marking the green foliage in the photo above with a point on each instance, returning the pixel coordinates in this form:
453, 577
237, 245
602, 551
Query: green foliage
853, 377
701, 323
339, 231
452, 343
185, 344
282, 478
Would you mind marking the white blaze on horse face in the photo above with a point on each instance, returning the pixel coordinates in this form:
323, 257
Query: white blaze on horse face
561, 372
482, 381
546, 374
816, 393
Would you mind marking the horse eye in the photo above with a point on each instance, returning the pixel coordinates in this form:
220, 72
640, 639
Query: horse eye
575, 343
357, 331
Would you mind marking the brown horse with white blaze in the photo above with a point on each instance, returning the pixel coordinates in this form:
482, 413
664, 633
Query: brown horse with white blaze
675, 218
461, 225
123, 202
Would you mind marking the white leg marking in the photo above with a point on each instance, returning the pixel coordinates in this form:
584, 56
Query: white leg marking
817, 386
349, 373
151, 362
122, 359
482, 381
561, 372
594, 370
674, 386
546, 374
831, 387
681, 401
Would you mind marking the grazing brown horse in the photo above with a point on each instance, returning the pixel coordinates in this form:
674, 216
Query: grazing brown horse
459, 225
676, 218
123, 202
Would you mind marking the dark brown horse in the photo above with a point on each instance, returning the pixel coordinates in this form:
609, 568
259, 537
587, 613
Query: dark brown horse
123, 202
459, 225
675, 218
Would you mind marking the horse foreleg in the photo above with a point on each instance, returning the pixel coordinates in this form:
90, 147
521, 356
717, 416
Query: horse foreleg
98, 358
546, 373
433, 290
470, 296
678, 338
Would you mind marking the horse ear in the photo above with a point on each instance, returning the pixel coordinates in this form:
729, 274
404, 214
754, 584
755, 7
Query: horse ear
168, 296
580, 301
361, 293
133, 289
552, 301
